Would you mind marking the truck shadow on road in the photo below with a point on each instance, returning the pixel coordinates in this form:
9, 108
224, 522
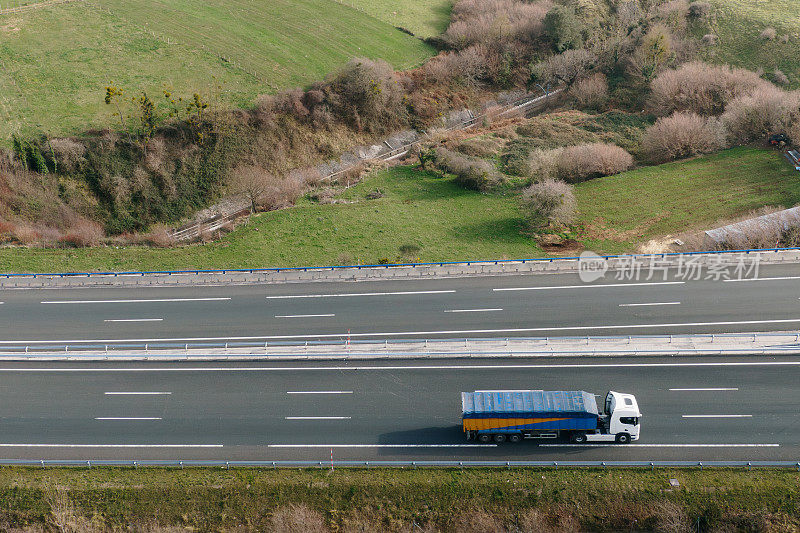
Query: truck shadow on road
449, 440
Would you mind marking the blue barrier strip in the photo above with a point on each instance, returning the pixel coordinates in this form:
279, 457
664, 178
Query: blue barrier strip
375, 266
404, 464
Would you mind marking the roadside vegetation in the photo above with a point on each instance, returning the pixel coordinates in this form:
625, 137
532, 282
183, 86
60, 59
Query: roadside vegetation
635, 94
404, 214
350, 500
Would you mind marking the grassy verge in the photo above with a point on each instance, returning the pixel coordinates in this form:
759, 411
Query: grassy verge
421, 218
58, 59
618, 212
399, 500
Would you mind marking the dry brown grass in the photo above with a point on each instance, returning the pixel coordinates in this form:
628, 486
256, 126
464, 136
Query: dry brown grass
296, 518
84, 233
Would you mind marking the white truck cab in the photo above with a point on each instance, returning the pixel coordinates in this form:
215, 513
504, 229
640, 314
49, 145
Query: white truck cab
620, 420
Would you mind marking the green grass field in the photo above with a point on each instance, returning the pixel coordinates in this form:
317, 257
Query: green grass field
424, 18
439, 221
738, 24
56, 60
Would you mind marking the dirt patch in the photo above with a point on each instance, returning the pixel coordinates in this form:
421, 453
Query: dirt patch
598, 229
568, 247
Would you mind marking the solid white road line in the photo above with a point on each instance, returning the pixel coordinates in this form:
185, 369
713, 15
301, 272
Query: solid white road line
761, 279
134, 301
649, 304
418, 333
303, 316
590, 286
15, 445
381, 445
472, 310
317, 418
135, 393
662, 445
320, 392
134, 320
345, 295
707, 389
396, 368
127, 418
717, 416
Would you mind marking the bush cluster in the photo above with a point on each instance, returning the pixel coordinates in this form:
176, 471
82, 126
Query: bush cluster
470, 172
683, 134
582, 162
549, 203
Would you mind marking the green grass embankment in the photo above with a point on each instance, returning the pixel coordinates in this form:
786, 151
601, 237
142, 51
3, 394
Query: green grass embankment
57, 59
477, 500
433, 219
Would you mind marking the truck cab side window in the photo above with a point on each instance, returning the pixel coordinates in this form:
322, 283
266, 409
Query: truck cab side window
632, 420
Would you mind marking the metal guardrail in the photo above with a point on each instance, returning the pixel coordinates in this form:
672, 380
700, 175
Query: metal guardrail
474, 343
402, 464
376, 266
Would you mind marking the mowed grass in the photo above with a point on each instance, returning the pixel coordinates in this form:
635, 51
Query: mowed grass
58, 59
433, 219
424, 18
622, 211
738, 24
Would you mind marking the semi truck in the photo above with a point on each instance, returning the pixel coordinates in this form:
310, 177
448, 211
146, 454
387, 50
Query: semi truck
513, 415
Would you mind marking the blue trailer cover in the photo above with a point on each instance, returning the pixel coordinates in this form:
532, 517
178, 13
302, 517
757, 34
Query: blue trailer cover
528, 410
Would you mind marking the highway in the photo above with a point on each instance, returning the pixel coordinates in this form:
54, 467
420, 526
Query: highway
385, 410
502, 306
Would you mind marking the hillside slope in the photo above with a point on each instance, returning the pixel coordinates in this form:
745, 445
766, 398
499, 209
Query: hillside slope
56, 60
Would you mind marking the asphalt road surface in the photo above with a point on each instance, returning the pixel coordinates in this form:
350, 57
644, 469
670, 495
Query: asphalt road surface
524, 305
743, 408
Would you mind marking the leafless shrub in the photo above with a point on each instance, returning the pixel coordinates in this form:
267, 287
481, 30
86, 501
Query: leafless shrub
464, 67
779, 77
324, 196
699, 9
493, 22
672, 518
281, 193
549, 202
768, 34
252, 182
565, 68
367, 95
765, 111
69, 154
673, 12
159, 236
591, 92
588, 161
709, 39
294, 518
471, 173
26, 234
64, 516
84, 233
155, 157
310, 177
682, 134
700, 87
542, 164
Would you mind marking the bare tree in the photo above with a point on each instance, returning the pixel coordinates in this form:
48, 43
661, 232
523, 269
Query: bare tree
251, 181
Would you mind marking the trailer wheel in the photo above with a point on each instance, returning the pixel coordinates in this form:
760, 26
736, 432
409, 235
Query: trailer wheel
623, 438
484, 438
514, 437
578, 438
499, 437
